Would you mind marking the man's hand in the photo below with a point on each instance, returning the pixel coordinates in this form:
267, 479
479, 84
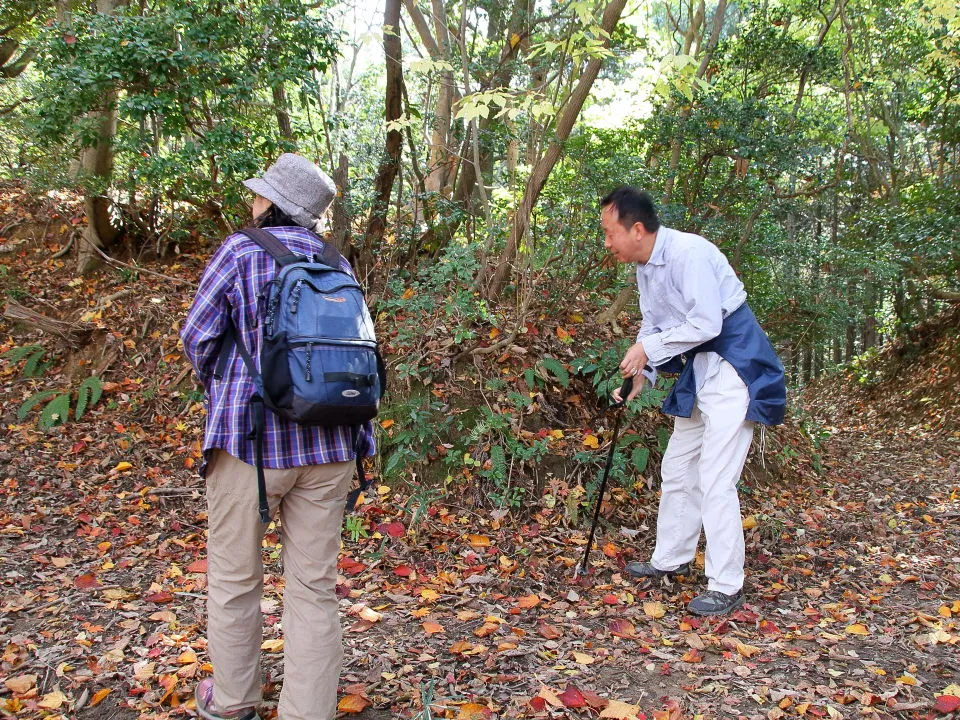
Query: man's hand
638, 383
631, 365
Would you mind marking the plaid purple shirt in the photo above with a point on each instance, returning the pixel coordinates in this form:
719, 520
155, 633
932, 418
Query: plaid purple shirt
232, 283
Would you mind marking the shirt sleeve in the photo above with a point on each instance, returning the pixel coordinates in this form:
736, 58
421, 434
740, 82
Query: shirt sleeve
206, 322
699, 291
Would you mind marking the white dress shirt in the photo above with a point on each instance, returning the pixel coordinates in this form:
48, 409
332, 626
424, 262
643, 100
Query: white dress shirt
687, 288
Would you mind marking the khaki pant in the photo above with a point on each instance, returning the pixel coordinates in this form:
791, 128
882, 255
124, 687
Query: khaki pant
310, 501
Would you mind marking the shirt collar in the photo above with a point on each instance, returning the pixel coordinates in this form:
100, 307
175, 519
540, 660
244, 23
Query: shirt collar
657, 256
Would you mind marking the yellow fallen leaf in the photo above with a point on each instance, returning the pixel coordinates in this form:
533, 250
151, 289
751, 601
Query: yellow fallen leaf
123, 465
478, 540
857, 629
907, 680
619, 710
747, 650
591, 441
473, 711
656, 610
583, 658
549, 696
429, 594
944, 611
370, 615
52, 700
275, 645
749, 522
187, 657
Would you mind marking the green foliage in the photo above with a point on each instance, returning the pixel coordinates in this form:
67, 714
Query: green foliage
33, 401
55, 412
354, 525
88, 394
191, 84
32, 355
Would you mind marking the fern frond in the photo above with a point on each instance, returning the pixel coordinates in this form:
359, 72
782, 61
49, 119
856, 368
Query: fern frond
55, 412
88, 394
32, 401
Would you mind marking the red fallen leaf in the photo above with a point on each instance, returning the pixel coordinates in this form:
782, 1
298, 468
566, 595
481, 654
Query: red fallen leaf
744, 616
550, 632
393, 529
349, 566
160, 597
78, 447
538, 704
947, 704
611, 599
769, 628
403, 570
86, 582
622, 628
572, 698
198, 566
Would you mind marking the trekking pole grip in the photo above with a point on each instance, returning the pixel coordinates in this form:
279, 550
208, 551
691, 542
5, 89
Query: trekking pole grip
625, 390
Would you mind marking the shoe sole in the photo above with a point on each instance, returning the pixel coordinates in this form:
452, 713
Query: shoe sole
726, 611
671, 574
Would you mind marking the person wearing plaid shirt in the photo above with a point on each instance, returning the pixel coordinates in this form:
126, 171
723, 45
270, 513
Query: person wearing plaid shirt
308, 471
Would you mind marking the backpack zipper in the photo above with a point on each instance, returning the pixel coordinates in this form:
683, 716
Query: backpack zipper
309, 359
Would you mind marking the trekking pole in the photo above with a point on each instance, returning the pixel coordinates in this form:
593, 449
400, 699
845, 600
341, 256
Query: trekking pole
625, 390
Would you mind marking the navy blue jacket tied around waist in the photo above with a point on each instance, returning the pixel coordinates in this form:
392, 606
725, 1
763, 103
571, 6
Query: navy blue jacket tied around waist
743, 344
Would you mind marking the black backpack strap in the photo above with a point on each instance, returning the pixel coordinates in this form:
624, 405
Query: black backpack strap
272, 245
231, 339
364, 482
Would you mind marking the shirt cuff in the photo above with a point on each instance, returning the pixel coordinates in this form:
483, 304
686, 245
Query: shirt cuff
653, 346
650, 374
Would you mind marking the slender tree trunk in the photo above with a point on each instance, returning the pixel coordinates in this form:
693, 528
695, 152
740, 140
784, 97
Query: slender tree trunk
281, 108
542, 170
390, 164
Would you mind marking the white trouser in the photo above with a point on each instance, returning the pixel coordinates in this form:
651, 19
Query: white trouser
700, 471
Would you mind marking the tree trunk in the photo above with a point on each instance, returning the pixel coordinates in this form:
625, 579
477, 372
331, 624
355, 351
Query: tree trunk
390, 164
542, 170
96, 163
281, 108
340, 221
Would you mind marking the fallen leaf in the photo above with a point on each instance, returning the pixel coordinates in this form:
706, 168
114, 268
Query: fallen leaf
430, 627
473, 711
623, 629
52, 700
478, 540
353, 704
591, 441
275, 645
572, 697
550, 632
583, 658
619, 710
21, 683
98, 696
656, 610
947, 704
528, 601
858, 629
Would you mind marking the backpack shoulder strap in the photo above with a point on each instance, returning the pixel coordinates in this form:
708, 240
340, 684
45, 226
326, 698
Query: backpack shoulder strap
272, 245
330, 255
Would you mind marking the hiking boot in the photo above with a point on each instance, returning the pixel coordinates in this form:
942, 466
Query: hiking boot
714, 602
647, 570
208, 711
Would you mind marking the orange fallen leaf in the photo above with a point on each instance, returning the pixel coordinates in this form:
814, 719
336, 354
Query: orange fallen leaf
528, 601
619, 710
98, 696
591, 441
858, 629
460, 647
550, 632
353, 704
473, 711
430, 627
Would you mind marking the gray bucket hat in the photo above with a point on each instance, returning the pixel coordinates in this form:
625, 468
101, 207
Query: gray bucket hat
298, 187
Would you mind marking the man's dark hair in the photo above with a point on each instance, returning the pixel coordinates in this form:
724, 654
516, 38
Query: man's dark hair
272, 217
633, 206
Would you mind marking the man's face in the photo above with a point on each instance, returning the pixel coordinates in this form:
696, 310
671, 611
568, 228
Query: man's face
620, 241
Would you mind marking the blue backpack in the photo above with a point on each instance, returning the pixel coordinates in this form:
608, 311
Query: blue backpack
320, 364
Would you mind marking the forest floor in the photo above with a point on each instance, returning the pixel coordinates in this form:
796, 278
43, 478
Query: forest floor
449, 610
